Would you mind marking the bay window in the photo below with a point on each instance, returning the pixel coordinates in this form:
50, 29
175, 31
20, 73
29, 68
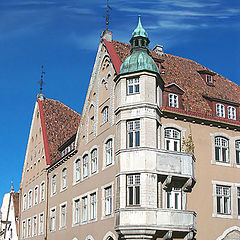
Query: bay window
133, 132
133, 189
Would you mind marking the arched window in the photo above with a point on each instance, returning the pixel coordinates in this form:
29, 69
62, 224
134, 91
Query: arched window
94, 161
172, 139
54, 184
109, 152
221, 149
105, 114
77, 170
64, 178
85, 166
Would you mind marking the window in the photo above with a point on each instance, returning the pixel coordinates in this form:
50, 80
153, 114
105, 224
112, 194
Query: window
209, 79
36, 195
30, 198
223, 199
77, 170
109, 152
54, 184
231, 112
173, 100
34, 226
238, 200
76, 217
237, 151
133, 128
172, 139
221, 149
84, 209
63, 209
85, 166
220, 110
25, 201
93, 206
133, 86
92, 124
94, 161
108, 200
64, 178
23, 229
42, 191
133, 189
29, 227
105, 115
52, 219
174, 198
41, 223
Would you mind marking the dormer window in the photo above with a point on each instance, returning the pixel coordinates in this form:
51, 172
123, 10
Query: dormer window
231, 112
133, 86
173, 100
220, 110
209, 79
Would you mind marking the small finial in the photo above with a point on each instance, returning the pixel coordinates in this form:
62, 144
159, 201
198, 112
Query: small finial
108, 15
12, 188
41, 81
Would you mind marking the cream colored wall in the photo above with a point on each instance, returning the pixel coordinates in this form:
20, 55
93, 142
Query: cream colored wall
201, 198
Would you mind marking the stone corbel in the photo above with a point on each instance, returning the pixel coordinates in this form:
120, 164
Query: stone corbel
189, 236
167, 182
168, 235
187, 187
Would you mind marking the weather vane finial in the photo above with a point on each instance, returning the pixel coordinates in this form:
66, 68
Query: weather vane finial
41, 81
108, 15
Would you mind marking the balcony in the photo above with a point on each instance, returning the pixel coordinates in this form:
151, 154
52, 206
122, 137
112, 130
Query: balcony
159, 220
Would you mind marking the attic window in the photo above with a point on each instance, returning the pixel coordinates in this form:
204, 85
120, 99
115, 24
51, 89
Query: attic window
173, 100
68, 149
209, 79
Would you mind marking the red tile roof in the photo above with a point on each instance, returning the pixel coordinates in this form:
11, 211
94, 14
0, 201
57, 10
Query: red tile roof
184, 73
59, 123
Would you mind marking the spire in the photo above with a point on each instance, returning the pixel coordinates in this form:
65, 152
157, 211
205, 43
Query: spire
139, 31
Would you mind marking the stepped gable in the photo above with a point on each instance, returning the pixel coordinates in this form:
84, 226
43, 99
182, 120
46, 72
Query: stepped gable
61, 123
184, 73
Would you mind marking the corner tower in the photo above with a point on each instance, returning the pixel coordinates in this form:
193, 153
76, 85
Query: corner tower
146, 174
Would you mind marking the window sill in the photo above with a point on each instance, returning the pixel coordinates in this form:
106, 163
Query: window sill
107, 166
225, 164
76, 224
93, 220
53, 194
62, 228
64, 189
229, 216
107, 216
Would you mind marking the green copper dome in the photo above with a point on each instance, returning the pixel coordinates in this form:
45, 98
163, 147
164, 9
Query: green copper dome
139, 58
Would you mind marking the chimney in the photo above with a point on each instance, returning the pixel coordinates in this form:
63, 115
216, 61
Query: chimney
106, 34
158, 49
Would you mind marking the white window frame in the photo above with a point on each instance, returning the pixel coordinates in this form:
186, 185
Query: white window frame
41, 224
63, 215
172, 139
237, 147
85, 165
54, 184
173, 100
84, 209
24, 201
238, 201
52, 219
29, 227
108, 200
133, 86
209, 79
93, 206
30, 198
105, 112
134, 189
35, 200
64, 179
104, 216
109, 151
77, 170
24, 229
133, 133
94, 160
174, 198
221, 149
220, 110
76, 211
232, 112
223, 193
34, 226
42, 191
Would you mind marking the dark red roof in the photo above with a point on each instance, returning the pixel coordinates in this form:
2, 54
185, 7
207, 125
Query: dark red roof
59, 123
185, 73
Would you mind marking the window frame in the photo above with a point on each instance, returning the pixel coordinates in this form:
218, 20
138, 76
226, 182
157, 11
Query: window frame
77, 170
232, 113
52, 219
108, 200
221, 150
54, 184
41, 224
220, 110
173, 100
237, 152
134, 183
94, 160
85, 165
30, 198
36, 195
84, 208
222, 197
34, 226
76, 214
134, 84
109, 152
105, 115
133, 133
93, 206
42, 191
174, 199
64, 179
63, 215
172, 142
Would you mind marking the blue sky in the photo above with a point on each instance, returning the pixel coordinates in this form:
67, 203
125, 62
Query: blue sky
63, 35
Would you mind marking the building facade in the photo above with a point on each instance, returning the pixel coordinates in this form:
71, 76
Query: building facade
154, 155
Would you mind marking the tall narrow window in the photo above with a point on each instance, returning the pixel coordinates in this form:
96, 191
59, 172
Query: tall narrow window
133, 189
105, 115
77, 170
108, 200
29, 227
238, 200
64, 178
54, 184
133, 86
220, 110
53, 219
34, 226
84, 209
223, 199
63, 210
231, 112
237, 151
133, 128
85, 166
94, 160
109, 152
76, 211
42, 191
174, 198
173, 100
172, 139
41, 223
221, 149
30, 198
209, 79
23, 229
35, 195
93, 206
25, 201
